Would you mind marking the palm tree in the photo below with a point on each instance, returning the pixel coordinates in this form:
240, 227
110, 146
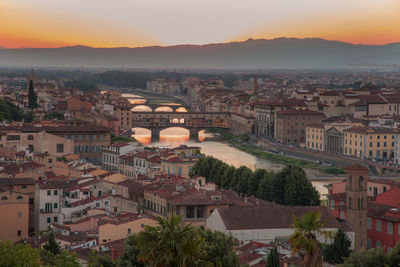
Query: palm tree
304, 238
171, 244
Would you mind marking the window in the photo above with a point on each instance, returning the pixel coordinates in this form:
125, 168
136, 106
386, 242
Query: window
369, 225
19, 197
19, 233
390, 228
13, 137
48, 219
19, 214
94, 137
129, 231
378, 225
342, 215
30, 137
55, 219
87, 137
102, 137
49, 192
55, 205
332, 204
60, 148
55, 192
378, 244
31, 201
79, 137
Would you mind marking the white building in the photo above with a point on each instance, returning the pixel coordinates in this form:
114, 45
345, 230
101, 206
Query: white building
112, 153
265, 224
48, 202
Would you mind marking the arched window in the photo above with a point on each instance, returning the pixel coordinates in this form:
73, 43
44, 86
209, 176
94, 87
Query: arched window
378, 244
19, 197
4, 198
360, 203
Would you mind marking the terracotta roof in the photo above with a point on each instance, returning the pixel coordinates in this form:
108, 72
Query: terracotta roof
370, 130
299, 112
17, 181
56, 184
316, 125
268, 217
330, 93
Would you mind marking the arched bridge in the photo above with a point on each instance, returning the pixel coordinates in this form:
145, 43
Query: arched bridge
160, 107
193, 121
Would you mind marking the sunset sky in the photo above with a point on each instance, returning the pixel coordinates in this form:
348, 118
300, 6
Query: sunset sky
132, 23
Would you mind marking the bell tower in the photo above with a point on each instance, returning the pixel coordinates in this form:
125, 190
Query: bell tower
356, 199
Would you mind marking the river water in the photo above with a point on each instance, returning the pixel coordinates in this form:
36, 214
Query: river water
173, 137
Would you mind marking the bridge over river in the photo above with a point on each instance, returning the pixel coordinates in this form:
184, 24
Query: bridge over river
192, 121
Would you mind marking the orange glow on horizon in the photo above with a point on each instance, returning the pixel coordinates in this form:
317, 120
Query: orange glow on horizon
24, 24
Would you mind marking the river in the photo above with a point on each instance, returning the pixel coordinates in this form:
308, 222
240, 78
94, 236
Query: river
173, 137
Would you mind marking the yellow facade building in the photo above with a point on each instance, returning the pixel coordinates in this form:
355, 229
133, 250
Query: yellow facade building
370, 142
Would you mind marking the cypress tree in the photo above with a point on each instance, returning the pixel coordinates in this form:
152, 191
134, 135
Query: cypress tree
273, 259
32, 98
52, 245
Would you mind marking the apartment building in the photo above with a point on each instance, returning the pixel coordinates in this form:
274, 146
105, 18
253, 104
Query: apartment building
88, 140
290, 125
370, 142
34, 139
14, 210
112, 154
315, 136
49, 201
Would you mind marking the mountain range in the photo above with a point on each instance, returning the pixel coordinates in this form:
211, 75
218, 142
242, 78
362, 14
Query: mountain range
279, 53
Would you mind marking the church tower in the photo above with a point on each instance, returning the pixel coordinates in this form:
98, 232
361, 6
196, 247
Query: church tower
356, 197
31, 77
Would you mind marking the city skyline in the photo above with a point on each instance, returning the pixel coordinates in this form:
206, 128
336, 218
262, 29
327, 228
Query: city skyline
121, 23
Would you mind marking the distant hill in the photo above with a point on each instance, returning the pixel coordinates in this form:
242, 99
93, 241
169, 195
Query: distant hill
280, 53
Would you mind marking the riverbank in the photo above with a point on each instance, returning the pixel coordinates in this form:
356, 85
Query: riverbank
243, 143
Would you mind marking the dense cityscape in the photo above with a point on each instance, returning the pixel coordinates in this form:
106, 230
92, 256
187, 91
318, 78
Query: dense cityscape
213, 133
75, 172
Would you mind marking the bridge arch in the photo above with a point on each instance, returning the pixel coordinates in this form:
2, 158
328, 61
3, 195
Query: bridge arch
164, 109
181, 109
141, 108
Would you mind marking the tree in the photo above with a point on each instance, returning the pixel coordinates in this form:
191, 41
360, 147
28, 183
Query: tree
298, 191
219, 249
52, 245
55, 115
255, 181
265, 187
32, 98
374, 257
170, 244
21, 255
129, 258
243, 176
339, 249
100, 260
304, 238
273, 258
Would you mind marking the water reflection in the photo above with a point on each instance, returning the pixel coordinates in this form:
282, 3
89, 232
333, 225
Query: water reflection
173, 136
142, 108
164, 109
